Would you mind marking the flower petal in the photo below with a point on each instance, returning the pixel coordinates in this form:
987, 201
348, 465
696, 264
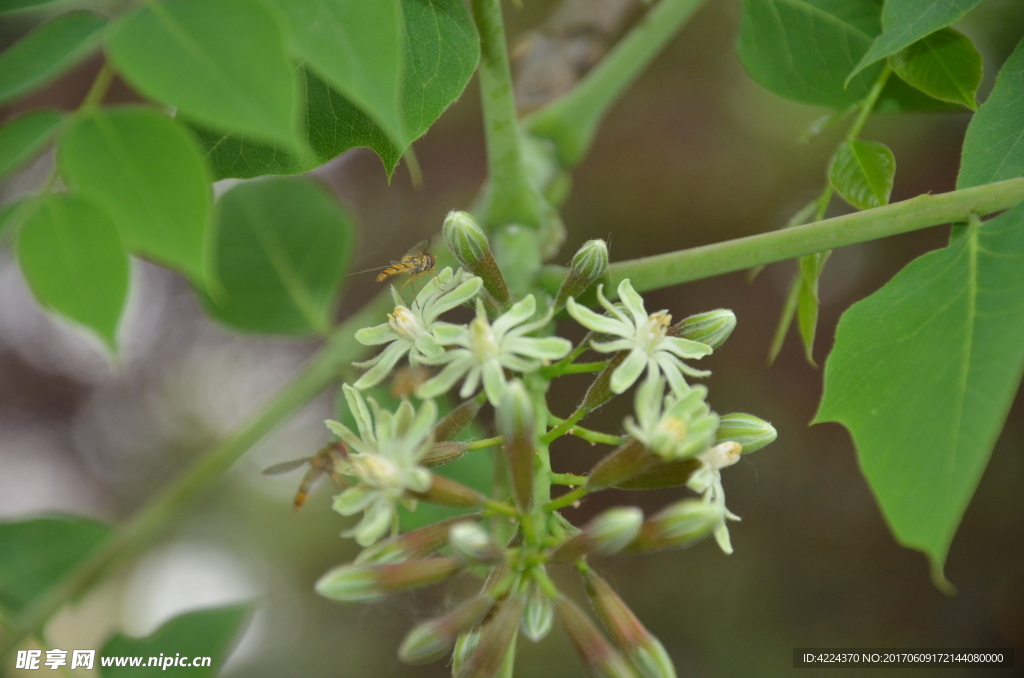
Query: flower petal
494, 381
520, 364
382, 364
354, 499
426, 417
447, 334
520, 312
376, 522
614, 309
684, 348
633, 302
375, 336
404, 417
357, 406
443, 381
647, 402
544, 348
598, 323
611, 346
629, 371
472, 382
457, 297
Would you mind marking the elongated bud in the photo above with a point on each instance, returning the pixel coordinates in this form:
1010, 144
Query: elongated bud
711, 328
628, 460
638, 644
364, 583
434, 638
677, 526
538, 614
447, 492
661, 475
473, 544
456, 421
414, 545
517, 425
464, 648
469, 244
599, 658
495, 639
605, 535
600, 390
752, 433
588, 265
444, 453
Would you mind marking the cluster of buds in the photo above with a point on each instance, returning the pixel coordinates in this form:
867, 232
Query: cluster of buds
507, 356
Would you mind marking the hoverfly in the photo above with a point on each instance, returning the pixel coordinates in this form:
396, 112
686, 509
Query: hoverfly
328, 460
416, 262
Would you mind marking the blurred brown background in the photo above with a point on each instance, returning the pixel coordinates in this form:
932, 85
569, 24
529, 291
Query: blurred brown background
695, 153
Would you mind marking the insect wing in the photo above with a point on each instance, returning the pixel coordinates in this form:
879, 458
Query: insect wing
417, 250
285, 466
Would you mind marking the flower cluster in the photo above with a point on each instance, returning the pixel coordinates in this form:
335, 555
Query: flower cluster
506, 355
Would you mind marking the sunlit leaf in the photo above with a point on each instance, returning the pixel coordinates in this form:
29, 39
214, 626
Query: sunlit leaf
220, 62
441, 52
862, 172
945, 65
71, 255
48, 51
994, 145
24, 136
192, 636
147, 173
923, 373
36, 554
281, 248
368, 70
907, 21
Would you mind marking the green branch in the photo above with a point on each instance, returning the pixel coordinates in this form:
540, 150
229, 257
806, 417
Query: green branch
571, 121
509, 198
159, 512
672, 268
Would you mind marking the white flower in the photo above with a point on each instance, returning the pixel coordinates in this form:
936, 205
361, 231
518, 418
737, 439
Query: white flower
644, 336
486, 349
385, 457
708, 481
415, 330
670, 426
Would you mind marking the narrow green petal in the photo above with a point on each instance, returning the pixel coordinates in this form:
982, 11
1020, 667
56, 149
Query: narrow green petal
494, 381
457, 297
375, 336
598, 323
633, 302
382, 364
357, 406
546, 348
442, 382
353, 500
520, 312
626, 374
684, 348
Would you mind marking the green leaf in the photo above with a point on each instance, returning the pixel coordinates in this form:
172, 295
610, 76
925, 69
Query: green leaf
23, 5
46, 52
804, 49
10, 214
862, 172
24, 136
204, 633
945, 65
441, 53
368, 70
923, 373
994, 145
907, 21
811, 267
282, 246
220, 62
71, 256
36, 554
148, 174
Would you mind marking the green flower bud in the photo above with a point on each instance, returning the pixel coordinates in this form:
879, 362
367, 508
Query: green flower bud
588, 265
468, 243
434, 638
496, 638
457, 420
517, 424
464, 648
600, 390
447, 492
638, 644
628, 460
538, 614
473, 544
711, 328
597, 654
363, 583
678, 525
415, 545
605, 535
749, 431
444, 453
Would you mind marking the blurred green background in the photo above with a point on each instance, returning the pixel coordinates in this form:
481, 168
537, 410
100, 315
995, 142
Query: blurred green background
695, 153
